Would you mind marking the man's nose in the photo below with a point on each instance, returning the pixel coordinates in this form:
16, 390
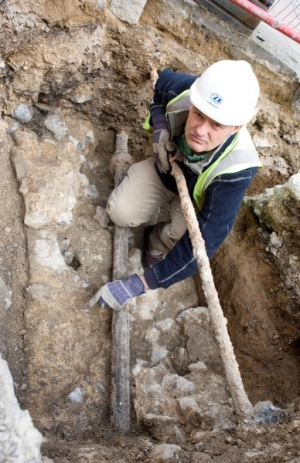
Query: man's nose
203, 127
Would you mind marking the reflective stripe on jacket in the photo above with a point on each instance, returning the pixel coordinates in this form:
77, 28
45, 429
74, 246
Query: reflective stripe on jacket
239, 155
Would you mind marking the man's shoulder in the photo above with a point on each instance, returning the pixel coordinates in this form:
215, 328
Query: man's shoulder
176, 76
172, 83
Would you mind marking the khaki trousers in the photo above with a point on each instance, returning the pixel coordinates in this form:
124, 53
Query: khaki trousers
138, 200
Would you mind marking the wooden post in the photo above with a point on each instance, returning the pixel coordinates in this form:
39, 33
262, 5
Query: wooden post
242, 405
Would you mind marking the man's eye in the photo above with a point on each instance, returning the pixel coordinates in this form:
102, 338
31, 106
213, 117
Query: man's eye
218, 126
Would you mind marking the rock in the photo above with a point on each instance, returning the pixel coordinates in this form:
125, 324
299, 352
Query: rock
100, 4
162, 428
180, 360
81, 98
5, 303
199, 457
78, 144
295, 104
5, 296
76, 396
177, 385
261, 142
294, 186
266, 413
128, 10
57, 126
3, 68
20, 441
22, 113
50, 178
165, 453
13, 127
102, 216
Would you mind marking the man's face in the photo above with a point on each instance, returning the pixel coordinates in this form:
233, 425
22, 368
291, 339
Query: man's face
203, 134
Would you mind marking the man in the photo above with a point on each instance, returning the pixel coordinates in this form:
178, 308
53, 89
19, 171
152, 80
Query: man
202, 122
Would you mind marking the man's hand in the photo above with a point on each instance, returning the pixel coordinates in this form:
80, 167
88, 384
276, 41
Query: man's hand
115, 294
163, 148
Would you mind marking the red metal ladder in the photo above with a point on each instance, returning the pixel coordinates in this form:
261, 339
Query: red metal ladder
284, 15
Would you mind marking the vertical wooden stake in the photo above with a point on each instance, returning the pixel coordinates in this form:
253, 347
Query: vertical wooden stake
242, 405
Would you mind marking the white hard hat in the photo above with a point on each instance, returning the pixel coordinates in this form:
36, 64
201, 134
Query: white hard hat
226, 92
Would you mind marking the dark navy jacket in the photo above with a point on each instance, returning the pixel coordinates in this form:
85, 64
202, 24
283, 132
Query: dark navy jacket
223, 199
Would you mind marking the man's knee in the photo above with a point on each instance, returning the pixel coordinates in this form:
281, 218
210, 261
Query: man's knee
117, 214
120, 214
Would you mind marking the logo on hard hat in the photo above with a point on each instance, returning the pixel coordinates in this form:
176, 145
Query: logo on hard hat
215, 98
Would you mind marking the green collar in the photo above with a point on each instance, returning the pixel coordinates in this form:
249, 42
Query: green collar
186, 150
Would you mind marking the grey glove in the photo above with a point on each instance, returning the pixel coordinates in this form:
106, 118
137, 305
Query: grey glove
163, 148
118, 292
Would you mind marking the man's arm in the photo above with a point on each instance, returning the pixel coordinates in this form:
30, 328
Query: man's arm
222, 203
223, 199
169, 85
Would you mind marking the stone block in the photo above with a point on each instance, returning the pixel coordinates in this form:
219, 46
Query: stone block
295, 104
128, 10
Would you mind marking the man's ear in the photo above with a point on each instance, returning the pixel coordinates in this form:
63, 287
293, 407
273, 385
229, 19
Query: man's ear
236, 128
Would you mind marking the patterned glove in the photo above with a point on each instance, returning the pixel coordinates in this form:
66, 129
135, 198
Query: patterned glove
116, 293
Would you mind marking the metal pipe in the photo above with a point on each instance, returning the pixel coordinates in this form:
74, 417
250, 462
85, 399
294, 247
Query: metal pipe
120, 356
120, 361
267, 18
